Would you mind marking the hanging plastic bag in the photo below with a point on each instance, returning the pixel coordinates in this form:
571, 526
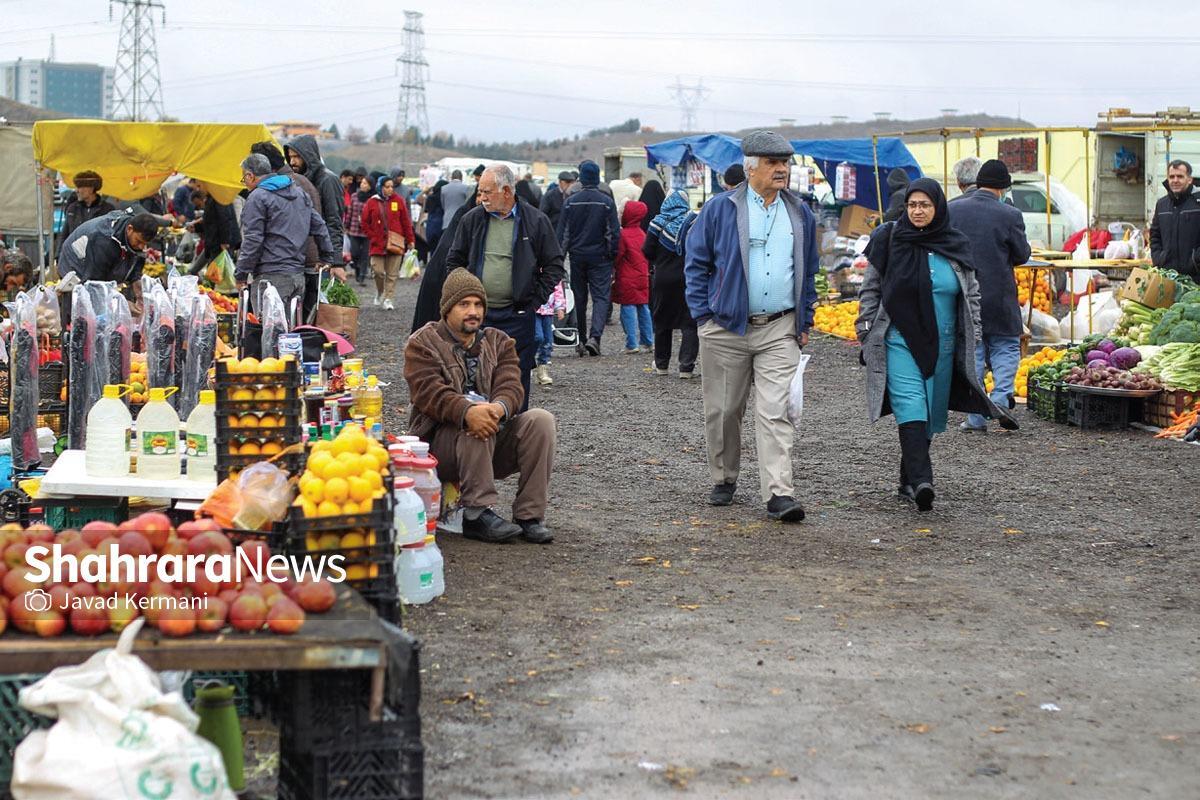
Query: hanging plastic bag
274, 320
410, 267
202, 344
120, 339
265, 496
1042, 327
795, 405
219, 273
118, 735
1095, 313
81, 353
23, 382
48, 321
158, 333
182, 290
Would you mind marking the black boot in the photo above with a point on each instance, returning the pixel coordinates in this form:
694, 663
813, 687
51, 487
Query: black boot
914, 455
905, 491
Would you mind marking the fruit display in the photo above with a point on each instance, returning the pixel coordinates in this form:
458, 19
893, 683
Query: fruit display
198, 605
343, 476
222, 304
1038, 286
837, 319
258, 411
154, 269
1047, 356
138, 392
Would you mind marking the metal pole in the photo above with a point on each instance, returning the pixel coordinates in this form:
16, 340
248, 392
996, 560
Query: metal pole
945, 162
878, 187
37, 191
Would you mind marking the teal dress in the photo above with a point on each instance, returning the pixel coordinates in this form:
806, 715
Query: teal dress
913, 397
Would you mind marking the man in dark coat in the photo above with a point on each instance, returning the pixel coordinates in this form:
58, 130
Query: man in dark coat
589, 232
998, 243
552, 199
85, 203
110, 248
305, 158
1175, 231
509, 245
218, 228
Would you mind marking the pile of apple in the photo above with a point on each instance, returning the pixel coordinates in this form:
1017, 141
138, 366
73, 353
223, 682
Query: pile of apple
249, 606
221, 303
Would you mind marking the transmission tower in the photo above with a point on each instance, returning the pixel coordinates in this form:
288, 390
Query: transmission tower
689, 99
135, 82
411, 111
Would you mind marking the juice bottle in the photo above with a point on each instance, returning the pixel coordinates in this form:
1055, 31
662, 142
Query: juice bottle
158, 437
201, 438
368, 400
108, 423
428, 487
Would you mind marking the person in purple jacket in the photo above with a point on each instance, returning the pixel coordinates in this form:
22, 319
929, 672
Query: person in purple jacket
750, 270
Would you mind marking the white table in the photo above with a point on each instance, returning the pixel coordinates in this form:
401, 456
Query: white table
68, 478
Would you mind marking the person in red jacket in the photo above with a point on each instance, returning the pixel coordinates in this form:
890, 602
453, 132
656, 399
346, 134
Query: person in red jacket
631, 281
385, 212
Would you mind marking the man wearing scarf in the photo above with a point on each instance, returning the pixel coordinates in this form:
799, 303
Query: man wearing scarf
750, 272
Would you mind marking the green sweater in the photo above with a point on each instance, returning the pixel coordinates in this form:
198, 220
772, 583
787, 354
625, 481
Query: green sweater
497, 262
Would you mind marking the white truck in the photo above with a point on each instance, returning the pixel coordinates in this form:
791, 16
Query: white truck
1125, 190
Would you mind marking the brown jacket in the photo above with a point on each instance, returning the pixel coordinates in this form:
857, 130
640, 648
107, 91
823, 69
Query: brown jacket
435, 369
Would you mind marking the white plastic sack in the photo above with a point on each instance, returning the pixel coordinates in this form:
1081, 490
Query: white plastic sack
117, 737
795, 406
1103, 311
1118, 249
1042, 326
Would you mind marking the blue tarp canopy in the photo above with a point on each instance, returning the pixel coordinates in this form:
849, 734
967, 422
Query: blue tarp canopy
718, 151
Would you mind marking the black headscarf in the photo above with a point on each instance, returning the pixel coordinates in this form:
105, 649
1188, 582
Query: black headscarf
653, 196
907, 289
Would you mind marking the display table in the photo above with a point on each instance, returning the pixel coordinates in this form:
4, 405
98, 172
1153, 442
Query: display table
69, 478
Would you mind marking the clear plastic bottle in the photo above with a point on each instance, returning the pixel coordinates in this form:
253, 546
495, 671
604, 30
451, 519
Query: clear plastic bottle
437, 565
428, 487
108, 423
201, 438
419, 572
158, 437
368, 400
409, 514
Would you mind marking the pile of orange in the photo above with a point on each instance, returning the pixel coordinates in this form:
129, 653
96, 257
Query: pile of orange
1047, 355
138, 392
1042, 293
343, 476
837, 319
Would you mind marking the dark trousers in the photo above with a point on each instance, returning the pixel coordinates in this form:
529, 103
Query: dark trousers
311, 287
360, 257
521, 326
594, 277
689, 345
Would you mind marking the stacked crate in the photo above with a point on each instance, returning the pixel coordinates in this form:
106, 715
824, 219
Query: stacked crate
258, 416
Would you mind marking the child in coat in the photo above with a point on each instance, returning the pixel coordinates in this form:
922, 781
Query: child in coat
543, 330
631, 281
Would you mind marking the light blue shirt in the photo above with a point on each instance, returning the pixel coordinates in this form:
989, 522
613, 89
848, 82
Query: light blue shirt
770, 275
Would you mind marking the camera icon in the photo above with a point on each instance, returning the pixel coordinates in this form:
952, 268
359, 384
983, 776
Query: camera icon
38, 600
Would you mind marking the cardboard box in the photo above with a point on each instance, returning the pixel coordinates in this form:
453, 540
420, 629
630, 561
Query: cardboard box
1148, 288
857, 221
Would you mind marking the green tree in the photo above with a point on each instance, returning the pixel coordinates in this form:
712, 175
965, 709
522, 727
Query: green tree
383, 135
334, 132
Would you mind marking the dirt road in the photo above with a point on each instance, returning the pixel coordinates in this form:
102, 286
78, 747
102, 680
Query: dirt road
1036, 635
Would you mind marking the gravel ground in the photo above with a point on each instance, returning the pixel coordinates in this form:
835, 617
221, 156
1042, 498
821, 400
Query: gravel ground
1035, 636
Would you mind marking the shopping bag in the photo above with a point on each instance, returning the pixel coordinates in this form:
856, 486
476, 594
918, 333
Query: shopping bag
342, 320
410, 267
118, 735
795, 406
220, 273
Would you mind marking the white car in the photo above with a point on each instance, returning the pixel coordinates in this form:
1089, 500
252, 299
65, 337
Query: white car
1029, 198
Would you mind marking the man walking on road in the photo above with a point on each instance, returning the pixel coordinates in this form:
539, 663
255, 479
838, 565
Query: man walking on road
997, 234
750, 272
509, 245
1175, 230
277, 220
590, 232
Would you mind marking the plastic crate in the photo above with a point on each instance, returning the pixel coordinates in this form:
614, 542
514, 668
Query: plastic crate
227, 328
290, 377
1099, 412
1051, 403
1158, 410
55, 420
77, 512
15, 722
292, 464
389, 765
379, 520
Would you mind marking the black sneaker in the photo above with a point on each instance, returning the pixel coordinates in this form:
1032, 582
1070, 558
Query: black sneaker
490, 527
593, 346
532, 530
924, 496
784, 509
722, 494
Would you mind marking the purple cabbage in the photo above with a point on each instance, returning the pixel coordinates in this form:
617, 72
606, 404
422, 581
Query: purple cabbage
1107, 345
1097, 363
1098, 355
1124, 358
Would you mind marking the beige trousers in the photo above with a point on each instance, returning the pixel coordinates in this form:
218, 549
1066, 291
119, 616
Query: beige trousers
387, 270
766, 355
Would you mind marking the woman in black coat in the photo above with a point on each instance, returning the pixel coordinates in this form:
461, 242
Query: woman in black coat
668, 304
653, 196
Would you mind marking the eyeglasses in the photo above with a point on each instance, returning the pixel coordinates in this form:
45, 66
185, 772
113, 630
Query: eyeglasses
919, 206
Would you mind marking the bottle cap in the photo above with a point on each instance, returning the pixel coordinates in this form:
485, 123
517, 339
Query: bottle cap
158, 395
431, 539
352, 380
113, 391
404, 482
207, 397
419, 449
423, 463
372, 381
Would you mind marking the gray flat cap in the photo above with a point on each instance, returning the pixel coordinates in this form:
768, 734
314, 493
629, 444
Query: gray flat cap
768, 144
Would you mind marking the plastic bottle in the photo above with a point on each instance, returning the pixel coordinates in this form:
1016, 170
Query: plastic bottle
108, 424
158, 437
428, 487
437, 565
201, 438
368, 400
420, 572
409, 514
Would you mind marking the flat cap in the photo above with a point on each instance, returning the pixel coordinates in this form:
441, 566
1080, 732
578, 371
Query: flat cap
768, 144
566, 175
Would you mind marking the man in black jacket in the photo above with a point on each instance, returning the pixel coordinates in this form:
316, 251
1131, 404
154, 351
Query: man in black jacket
305, 158
218, 228
84, 204
1175, 231
589, 232
553, 198
509, 245
110, 248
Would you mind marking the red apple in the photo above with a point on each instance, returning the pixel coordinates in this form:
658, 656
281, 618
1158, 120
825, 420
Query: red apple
195, 527
18, 581
154, 526
49, 623
69, 535
315, 596
157, 600
14, 554
178, 620
204, 585
174, 547
3, 619
3, 571
60, 598
285, 616
105, 545
21, 614
212, 615
82, 589
227, 596
248, 613
39, 532
89, 620
75, 547
121, 614
210, 543
257, 553
97, 531
135, 544
269, 592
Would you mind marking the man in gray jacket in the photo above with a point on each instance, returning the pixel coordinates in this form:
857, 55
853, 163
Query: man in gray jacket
998, 243
277, 220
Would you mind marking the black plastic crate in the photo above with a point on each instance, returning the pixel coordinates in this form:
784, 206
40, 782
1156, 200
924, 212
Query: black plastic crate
389, 766
379, 520
249, 424
290, 377
293, 463
15, 722
227, 328
1049, 402
1101, 412
385, 602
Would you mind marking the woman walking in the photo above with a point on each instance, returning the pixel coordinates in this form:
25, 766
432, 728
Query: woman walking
918, 324
388, 225
360, 246
668, 306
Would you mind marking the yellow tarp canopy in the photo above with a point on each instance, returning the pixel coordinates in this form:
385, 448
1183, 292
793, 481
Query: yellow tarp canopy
134, 158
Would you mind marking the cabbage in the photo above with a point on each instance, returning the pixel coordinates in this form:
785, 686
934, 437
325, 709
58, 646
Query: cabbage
1107, 345
1124, 358
1098, 355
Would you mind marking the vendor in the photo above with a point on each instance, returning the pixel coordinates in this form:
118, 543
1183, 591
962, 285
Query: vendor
1175, 230
16, 270
110, 248
84, 204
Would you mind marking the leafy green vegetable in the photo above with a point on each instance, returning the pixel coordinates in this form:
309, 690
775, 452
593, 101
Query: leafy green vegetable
339, 293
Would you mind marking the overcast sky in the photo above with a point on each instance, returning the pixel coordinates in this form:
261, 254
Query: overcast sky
540, 69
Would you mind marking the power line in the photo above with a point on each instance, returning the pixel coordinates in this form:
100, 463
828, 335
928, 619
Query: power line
136, 83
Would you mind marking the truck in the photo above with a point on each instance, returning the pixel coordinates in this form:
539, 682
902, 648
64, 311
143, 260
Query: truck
1129, 166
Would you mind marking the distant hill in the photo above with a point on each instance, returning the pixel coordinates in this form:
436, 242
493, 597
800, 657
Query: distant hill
341, 155
19, 113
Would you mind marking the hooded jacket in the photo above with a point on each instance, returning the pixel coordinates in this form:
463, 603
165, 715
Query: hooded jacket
98, 250
277, 220
329, 186
305, 185
1175, 232
631, 282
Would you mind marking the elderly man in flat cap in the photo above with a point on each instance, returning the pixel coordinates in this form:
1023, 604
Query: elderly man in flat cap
749, 270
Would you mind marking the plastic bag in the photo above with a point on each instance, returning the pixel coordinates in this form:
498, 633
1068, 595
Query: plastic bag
117, 735
410, 267
219, 273
81, 353
202, 344
274, 320
265, 496
158, 333
1042, 326
182, 290
23, 382
1103, 311
46, 303
795, 403
120, 339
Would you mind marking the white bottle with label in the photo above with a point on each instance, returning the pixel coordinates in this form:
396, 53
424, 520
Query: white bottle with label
158, 438
106, 453
419, 572
409, 518
201, 439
